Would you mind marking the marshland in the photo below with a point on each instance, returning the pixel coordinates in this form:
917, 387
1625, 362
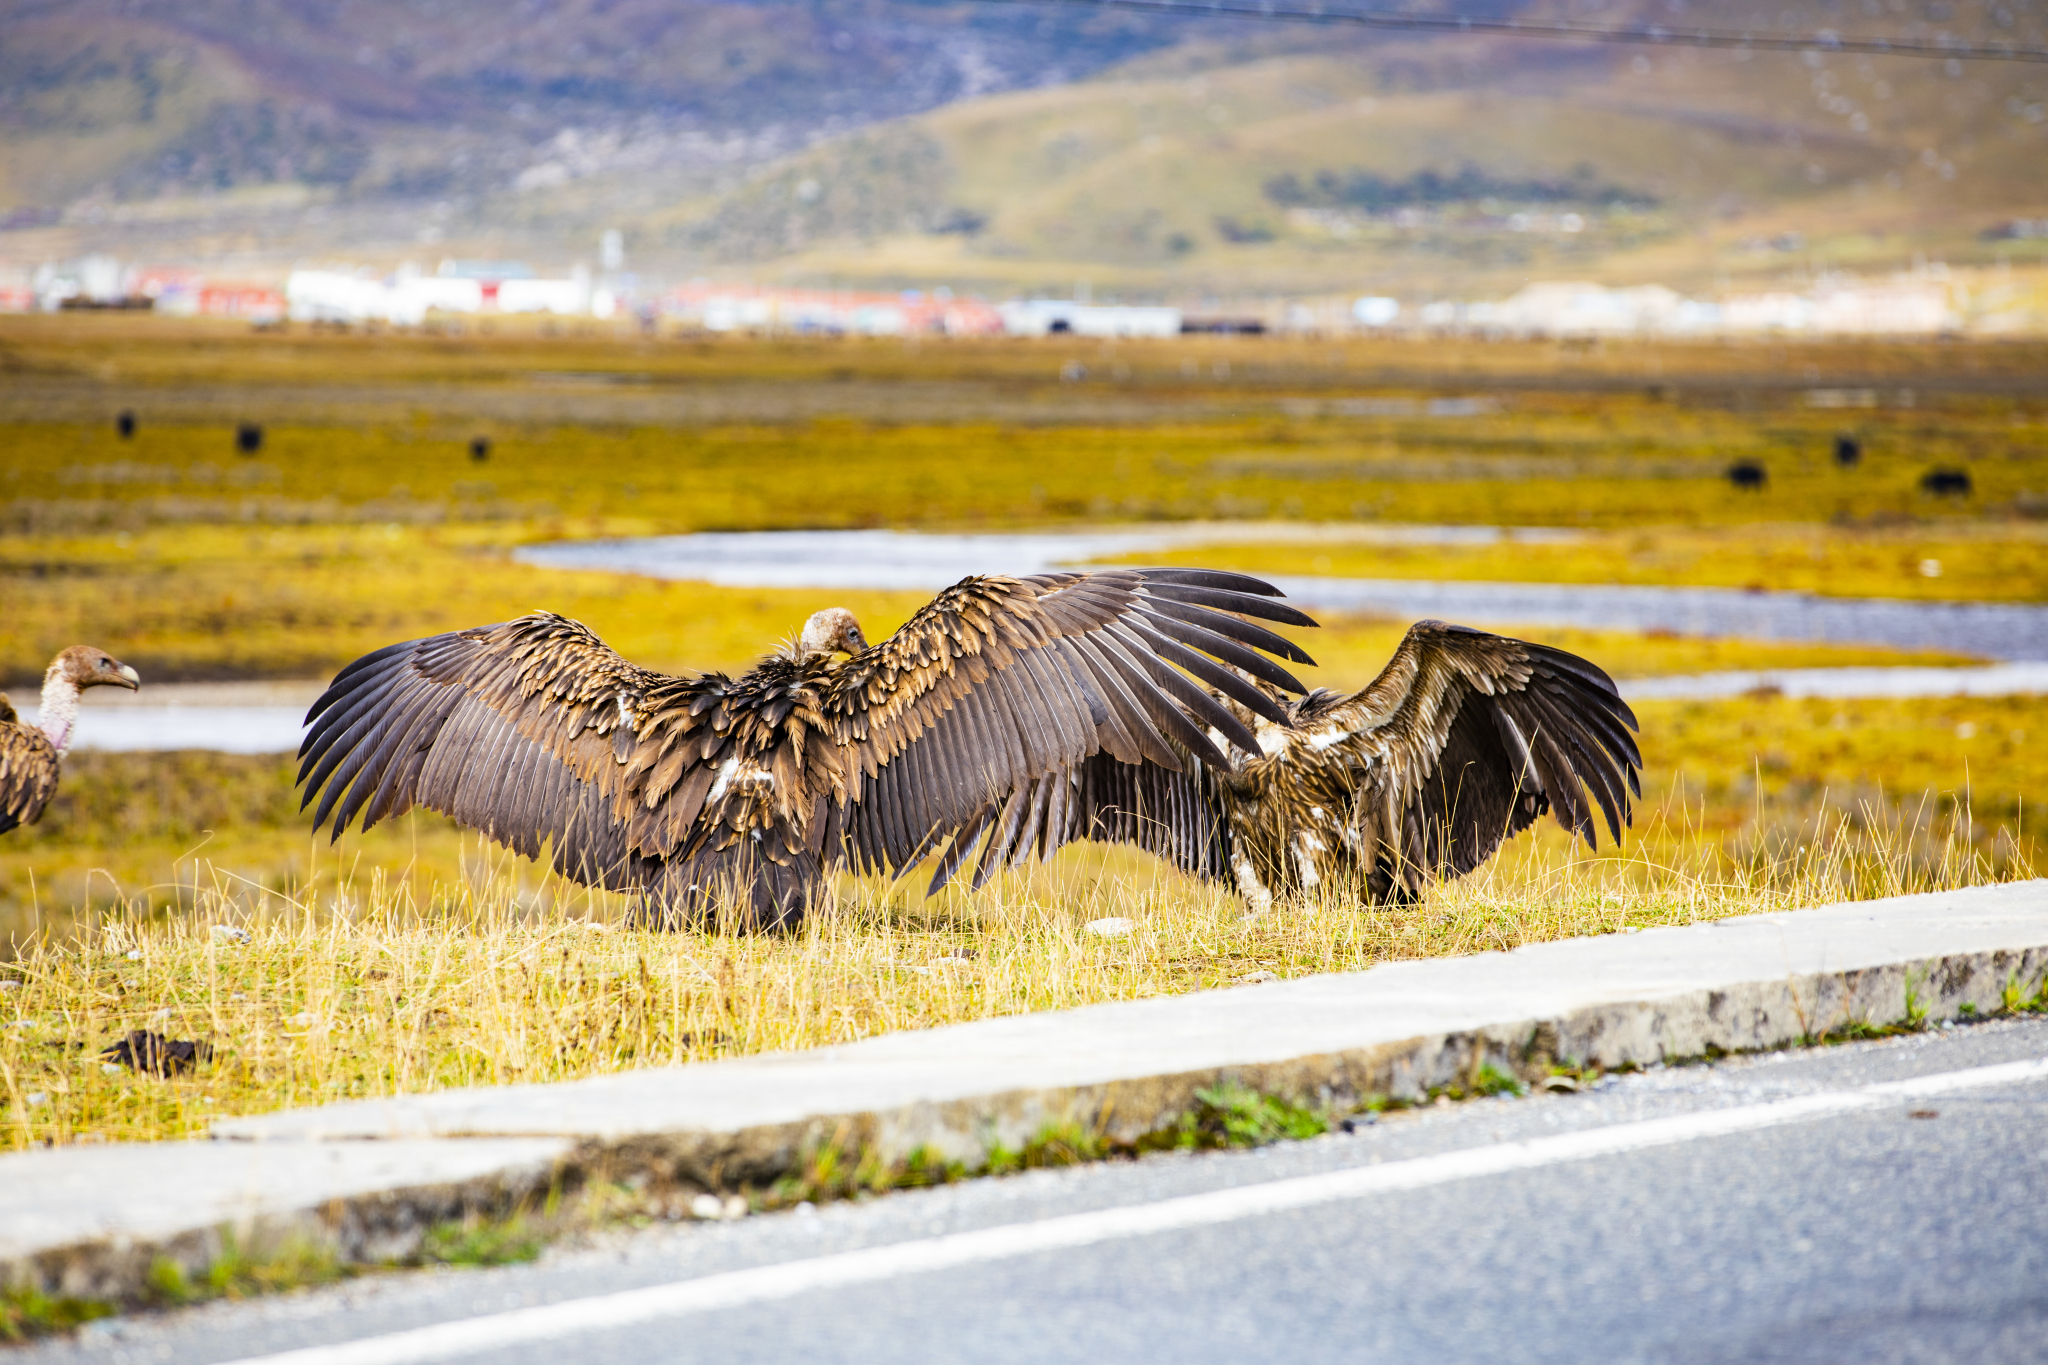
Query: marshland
183, 891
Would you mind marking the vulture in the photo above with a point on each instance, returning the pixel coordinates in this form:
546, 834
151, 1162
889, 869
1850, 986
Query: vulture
31, 756
1007, 718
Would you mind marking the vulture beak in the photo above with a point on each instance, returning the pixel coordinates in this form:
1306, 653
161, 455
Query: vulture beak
127, 677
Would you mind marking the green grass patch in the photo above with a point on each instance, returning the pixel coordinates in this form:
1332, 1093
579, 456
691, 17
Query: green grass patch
26, 1314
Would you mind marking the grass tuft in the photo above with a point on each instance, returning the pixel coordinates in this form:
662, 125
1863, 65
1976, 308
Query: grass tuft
26, 1314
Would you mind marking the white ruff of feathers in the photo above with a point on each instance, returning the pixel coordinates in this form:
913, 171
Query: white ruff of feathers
60, 707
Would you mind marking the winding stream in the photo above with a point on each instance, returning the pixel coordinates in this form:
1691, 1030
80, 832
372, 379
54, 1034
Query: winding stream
2008, 632
259, 718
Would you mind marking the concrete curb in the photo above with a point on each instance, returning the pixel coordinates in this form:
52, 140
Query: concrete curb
365, 1179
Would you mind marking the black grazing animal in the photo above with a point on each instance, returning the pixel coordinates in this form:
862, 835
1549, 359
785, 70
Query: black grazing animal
1946, 483
248, 438
480, 448
1848, 450
1747, 475
124, 425
1006, 719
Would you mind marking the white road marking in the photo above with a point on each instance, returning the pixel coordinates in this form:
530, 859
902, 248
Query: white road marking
792, 1279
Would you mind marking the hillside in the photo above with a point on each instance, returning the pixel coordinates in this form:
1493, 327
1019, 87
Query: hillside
899, 143
392, 120
1441, 165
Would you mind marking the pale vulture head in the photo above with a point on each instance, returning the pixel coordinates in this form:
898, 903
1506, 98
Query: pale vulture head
832, 631
83, 666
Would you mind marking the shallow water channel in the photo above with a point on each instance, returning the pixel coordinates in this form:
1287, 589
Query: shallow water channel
266, 717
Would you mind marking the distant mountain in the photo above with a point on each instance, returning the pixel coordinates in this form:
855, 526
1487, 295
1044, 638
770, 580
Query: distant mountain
1007, 146
107, 102
1452, 165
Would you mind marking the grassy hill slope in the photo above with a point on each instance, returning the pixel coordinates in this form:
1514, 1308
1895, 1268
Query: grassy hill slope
907, 142
1167, 175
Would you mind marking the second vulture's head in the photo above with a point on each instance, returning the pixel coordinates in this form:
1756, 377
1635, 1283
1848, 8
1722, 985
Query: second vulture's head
83, 666
832, 631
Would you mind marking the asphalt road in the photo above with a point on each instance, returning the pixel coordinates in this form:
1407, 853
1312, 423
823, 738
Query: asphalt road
1763, 1209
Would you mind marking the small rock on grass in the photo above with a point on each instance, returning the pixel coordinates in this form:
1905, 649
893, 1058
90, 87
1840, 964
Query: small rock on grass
709, 1207
230, 933
1256, 979
1116, 926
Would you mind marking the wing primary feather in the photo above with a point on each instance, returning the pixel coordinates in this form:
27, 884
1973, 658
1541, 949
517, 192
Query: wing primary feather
1242, 631
346, 708
1588, 764
340, 686
1034, 820
1601, 725
341, 750
1224, 648
1134, 714
958, 852
1105, 711
1211, 672
1212, 578
996, 850
1584, 669
1205, 707
1243, 604
400, 766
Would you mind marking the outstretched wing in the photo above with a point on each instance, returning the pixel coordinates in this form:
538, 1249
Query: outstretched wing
1174, 815
977, 717
28, 771
1465, 739
525, 730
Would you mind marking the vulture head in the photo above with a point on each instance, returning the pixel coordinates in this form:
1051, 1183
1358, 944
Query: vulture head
83, 666
832, 631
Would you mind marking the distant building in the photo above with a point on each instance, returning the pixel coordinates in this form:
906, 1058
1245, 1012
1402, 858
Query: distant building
407, 297
753, 308
1591, 310
565, 298
1047, 317
1375, 311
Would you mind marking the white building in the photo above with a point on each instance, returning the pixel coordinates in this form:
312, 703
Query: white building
565, 298
344, 296
1576, 309
1042, 317
407, 297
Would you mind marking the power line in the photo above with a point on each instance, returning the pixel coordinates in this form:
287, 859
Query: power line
1952, 49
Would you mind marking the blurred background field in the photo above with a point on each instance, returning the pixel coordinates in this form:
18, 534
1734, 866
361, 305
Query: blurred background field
182, 890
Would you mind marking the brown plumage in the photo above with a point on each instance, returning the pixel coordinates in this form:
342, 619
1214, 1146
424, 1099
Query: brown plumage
1464, 739
32, 756
690, 790
1006, 720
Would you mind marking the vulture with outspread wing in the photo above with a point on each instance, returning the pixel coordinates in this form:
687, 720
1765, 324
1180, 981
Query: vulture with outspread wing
32, 756
1010, 715
1463, 740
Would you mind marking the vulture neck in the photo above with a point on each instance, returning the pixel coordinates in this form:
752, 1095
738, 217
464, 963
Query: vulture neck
60, 707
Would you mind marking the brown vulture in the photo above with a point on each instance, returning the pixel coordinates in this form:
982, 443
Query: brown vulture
1013, 715
31, 756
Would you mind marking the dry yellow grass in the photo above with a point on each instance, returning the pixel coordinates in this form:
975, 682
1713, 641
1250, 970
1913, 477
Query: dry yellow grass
415, 958
346, 984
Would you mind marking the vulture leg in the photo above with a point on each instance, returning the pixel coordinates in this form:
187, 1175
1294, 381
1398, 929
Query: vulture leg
1255, 892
